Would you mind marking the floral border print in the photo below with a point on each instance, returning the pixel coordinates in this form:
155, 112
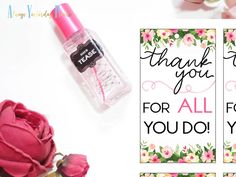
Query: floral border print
229, 174
229, 147
179, 175
150, 153
230, 38
229, 152
176, 37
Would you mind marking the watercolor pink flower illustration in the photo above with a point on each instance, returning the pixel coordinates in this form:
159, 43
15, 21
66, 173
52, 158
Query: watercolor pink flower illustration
228, 157
230, 38
167, 152
208, 156
185, 154
175, 37
174, 30
188, 39
191, 158
200, 174
164, 34
204, 44
211, 35
230, 35
145, 156
154, 159
152, 146
174, 174
147, 35
229, 152
201, 32
181, 161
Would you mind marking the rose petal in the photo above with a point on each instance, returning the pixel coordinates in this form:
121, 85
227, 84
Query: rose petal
51, 155
16, 169
5, 104
43, 127
26, 141
7, 116
10, 157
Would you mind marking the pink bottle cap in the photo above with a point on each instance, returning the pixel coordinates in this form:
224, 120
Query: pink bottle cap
66, 20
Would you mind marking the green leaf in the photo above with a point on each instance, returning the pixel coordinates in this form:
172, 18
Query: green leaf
159, 155
182, 154
178, 42
214, 151
233, 42
177, 149
150, 43
163, 160
161, 148
165, 40
151, 153
175, 157
190, 151
181, 33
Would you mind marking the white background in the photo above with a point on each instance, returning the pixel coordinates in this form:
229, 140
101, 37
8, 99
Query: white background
33, 71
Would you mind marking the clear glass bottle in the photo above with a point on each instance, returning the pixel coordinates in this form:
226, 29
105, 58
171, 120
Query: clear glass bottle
100, 75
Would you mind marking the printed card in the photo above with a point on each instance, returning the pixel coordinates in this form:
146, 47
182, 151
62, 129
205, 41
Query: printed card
229, 96
177, 104
178, 175
229, 174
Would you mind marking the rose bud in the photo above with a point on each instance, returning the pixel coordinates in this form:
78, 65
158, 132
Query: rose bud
73, 165
26, 145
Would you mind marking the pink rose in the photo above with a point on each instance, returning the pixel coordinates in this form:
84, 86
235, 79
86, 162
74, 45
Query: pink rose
155, 159
188, 39
200, 32
152, 146
200, 174
73, 165
174, 174
147, 35
167, 152
181, 161
26, 144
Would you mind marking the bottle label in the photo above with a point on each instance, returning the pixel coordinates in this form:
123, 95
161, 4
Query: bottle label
86, 55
